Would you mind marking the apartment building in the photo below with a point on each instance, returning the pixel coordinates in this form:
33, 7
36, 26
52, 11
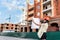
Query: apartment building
9, 27
47, 6
30, 14
17, 28
33, 10
50, 7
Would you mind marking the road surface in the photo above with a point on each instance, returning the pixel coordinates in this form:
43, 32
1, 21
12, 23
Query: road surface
13, 38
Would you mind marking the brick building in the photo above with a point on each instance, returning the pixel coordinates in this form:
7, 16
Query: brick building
30, 16
50, 7
40, 7
9, 27
37, 8
32, 11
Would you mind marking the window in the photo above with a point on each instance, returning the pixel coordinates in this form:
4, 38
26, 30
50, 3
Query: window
2, 24
49, 5
2, 27
21, 29
30, 21
44, 0
31, 9
25, 29
46, 7
49, 13
30, 29
11, 27
16, 25
6, 27
15, 28
30, 15
7, 24
12, 24
15, 31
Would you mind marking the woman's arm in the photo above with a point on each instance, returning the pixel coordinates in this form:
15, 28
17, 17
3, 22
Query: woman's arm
36, 23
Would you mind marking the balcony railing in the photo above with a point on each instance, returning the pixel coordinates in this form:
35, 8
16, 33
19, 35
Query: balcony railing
45, 2
31, 12
47, 9
30, 15
31, 9
30, 18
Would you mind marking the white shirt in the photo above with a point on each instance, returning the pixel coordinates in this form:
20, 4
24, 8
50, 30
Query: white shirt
37, 21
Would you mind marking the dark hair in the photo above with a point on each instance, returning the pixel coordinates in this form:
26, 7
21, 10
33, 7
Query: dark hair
46, 14
46, 21
54, 24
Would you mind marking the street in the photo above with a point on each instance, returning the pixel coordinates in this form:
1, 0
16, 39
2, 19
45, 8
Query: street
13, 38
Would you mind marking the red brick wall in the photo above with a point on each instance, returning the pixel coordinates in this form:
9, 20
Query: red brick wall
36, 10
58, 7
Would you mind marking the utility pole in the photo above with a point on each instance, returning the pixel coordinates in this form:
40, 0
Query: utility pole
9, 19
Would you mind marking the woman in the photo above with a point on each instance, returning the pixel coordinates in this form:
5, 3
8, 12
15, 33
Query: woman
35, 24
44, 26
43, 29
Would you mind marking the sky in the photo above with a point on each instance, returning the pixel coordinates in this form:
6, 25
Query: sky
12, 8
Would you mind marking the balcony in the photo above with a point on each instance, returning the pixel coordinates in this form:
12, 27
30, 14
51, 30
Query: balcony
31, 12
31, 9
46, 2
48, 9
30, 18
30, 15
30, 6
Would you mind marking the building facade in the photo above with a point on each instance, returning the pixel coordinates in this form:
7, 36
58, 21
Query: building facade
30, 14
9, 27
49, 7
